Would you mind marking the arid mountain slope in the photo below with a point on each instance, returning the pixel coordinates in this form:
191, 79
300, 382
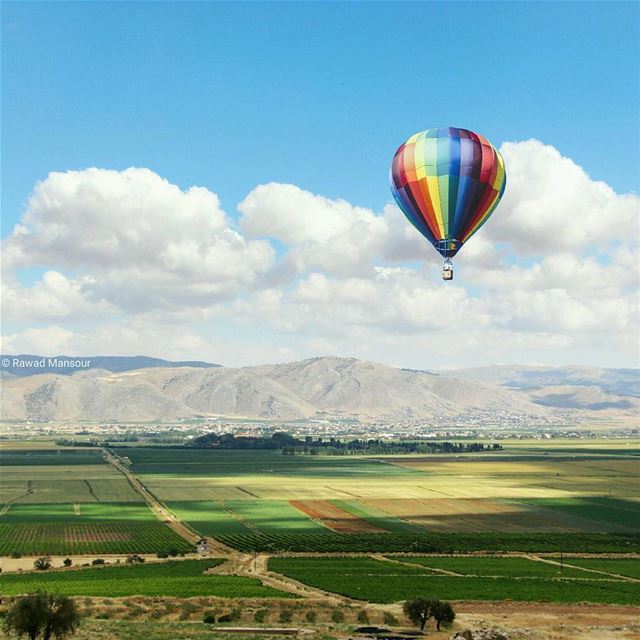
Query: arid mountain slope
319, 386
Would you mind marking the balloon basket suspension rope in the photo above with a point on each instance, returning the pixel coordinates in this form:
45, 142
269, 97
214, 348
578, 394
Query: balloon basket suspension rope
447, 269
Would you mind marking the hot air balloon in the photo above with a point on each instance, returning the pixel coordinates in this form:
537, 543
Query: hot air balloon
447, 181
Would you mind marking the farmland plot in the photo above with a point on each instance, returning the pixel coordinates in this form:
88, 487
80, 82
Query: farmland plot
70, 528
379, 581
66, 483
183, 579
335, 518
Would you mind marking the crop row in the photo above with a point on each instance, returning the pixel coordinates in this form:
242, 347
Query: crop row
432, 542
387, 582
89, 538
183, 578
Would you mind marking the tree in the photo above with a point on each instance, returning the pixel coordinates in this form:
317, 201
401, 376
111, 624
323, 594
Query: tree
442, 612
42, 564
42, 615
418, 611
67, 562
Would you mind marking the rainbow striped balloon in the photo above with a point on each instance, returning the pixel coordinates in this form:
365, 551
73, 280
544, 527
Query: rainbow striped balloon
447, 182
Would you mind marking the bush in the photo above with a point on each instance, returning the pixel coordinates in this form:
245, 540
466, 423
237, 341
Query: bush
104, 615
134, 558
363, 616
310, 616
162, 555
260, 615
285, 615
42, 564
16, 555
337, 615
98, 561
225, 617
209, 618
67, 562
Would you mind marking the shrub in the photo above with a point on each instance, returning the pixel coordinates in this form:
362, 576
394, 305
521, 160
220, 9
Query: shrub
67, 562
42, 564
337, 615
285, 615
363, 616
104, 615
310, 616
209, 618
260, 615
98, 561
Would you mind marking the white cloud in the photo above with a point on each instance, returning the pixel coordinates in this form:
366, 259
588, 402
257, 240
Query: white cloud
551, 204
320, 233
150, 268
144, 241
55, 296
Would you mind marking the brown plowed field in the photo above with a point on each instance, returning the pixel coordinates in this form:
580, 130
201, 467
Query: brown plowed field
333, 517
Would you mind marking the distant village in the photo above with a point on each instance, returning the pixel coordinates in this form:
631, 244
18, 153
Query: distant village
480, 426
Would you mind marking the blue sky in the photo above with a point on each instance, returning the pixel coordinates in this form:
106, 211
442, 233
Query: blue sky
229, 96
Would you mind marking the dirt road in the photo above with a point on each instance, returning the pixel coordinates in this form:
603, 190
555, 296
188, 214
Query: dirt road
162, 513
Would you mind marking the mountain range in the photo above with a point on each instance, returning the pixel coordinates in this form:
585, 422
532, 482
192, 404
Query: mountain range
318, 387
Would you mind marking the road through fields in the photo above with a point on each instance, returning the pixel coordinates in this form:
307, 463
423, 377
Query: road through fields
162, 513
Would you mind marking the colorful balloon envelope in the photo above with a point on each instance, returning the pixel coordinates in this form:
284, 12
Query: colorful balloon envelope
447, 182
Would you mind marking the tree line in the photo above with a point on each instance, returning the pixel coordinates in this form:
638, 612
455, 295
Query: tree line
309, 445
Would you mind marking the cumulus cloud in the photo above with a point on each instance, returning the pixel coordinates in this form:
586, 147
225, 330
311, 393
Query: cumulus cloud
551, 204
151, 268
330, 234
55, 296
144, 241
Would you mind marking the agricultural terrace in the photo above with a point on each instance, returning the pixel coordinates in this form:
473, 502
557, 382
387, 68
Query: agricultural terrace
517, 499
387, 581
183, 578
73, 502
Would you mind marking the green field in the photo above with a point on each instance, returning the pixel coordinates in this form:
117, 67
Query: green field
385, 582
49, 457
85, 528
56, 475
72, 502
78, 512
496, 566
621, 566
182, 578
